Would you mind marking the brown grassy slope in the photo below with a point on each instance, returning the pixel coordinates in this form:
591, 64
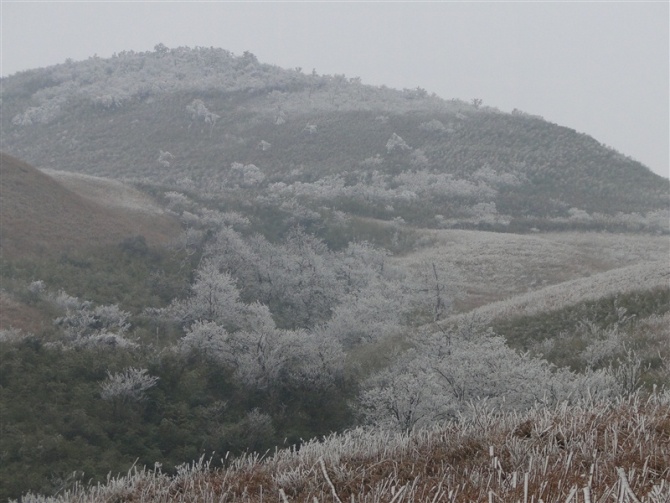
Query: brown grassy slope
40, 217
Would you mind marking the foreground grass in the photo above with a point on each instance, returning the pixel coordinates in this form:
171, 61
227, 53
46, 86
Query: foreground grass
603, 452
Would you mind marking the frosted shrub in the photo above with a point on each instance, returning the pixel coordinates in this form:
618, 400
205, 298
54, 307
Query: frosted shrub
396, 143
418, 159
424, 183
605, 345
433, 126
485, 213
446, 372
494, 178
206, 338
164, 158
65, 301
37, 288
198, 111
43, 114
628, 371
127, 386
579, 215
11, 335
178, 202
214, 297
404, 396
257, 427
87, 326
370, 162
248, 175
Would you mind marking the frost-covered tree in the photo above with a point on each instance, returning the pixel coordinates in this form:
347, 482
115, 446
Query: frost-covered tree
129, 385
245, 175
296, 278
403, 396
164, 158
485, 367
433, 126
368, 313
214, 297
86, 325
446, 371
206, 338
382, 299
396, 143
199, 112
263, 356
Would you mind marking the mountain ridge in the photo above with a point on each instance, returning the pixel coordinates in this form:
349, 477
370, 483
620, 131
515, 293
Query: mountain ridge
188, 117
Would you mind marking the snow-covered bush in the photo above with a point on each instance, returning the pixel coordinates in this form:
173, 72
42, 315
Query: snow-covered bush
433, 126
447, 371
396, 143
86, 326
129, 385
199, 112
245, 175
214, 297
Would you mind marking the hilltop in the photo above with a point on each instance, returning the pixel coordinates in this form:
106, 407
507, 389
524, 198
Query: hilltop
230, 126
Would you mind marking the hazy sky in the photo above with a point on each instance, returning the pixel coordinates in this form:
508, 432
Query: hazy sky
599, 67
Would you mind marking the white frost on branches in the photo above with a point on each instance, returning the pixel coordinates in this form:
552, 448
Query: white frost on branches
245, 175
164, 158
447, 371
395, 142
214, 298
127, 386
433, 126
199, 112
85, 325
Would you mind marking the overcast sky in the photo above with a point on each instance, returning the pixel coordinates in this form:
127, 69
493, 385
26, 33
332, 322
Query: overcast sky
601, 68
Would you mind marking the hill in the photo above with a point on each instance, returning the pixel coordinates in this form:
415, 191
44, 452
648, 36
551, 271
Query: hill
229, 126
347, 256
41, 217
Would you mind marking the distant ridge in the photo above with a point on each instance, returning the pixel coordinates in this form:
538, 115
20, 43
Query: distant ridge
40, 217
248, 133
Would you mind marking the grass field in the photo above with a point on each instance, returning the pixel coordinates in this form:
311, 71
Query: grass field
484, 267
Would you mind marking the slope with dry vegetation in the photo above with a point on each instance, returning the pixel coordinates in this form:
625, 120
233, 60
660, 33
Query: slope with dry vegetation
608, 452
41, 217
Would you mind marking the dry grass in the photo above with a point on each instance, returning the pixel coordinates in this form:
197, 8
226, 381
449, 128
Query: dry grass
485, 267
643, 276
602, 452
40, 217
106, 192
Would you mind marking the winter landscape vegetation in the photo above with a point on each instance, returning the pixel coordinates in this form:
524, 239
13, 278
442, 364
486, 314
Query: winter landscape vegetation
227, 281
